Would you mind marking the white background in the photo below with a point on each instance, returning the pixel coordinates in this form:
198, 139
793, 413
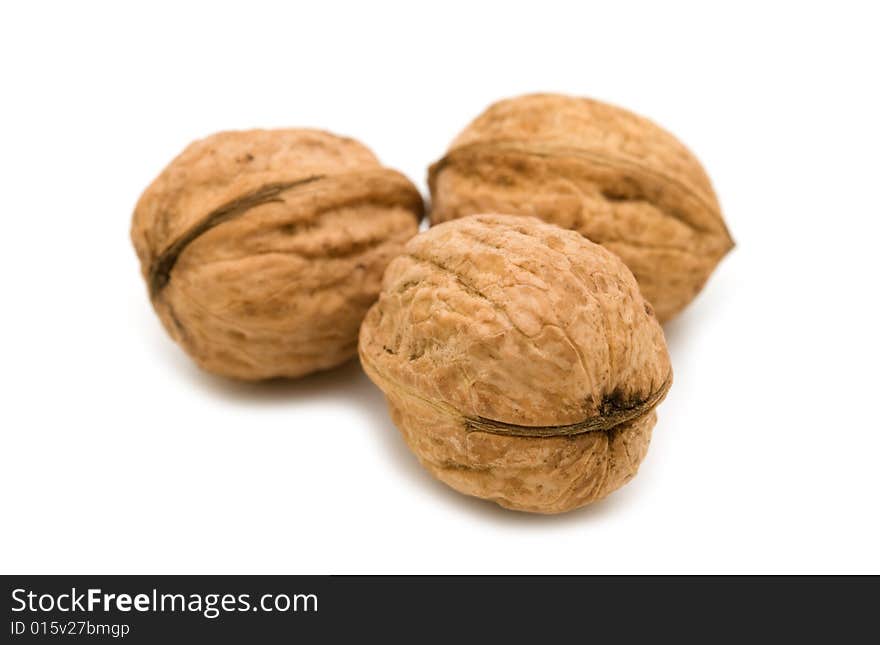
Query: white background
118, 455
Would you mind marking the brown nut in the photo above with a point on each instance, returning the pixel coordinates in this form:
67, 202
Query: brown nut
263, 249
607, 173
519, 360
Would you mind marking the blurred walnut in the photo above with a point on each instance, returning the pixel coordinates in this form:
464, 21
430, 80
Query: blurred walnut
614, 177
263, 250
519, 360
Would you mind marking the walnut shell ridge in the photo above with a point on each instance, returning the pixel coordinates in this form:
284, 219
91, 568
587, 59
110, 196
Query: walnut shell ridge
263, 249
611, 175
519, 360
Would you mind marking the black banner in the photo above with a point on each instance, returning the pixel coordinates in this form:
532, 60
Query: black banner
151, 609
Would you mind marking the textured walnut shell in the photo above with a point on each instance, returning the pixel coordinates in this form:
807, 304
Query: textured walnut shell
607, 173
262, 250
519, 360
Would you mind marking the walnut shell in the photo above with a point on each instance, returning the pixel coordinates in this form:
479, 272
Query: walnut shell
263, 249
607, 173
519, 361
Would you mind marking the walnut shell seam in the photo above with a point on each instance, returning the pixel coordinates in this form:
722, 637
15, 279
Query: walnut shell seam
614, 413
161, 267
549, 150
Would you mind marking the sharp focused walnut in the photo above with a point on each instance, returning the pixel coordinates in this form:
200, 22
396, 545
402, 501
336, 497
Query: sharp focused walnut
613, 176
262, 250
519, 361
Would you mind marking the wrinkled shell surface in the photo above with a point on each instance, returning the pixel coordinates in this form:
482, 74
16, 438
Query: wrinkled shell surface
263, 250
519, 360
607, 173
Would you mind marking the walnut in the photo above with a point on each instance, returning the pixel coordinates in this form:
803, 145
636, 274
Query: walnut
519, 361
611, 175
262, 250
